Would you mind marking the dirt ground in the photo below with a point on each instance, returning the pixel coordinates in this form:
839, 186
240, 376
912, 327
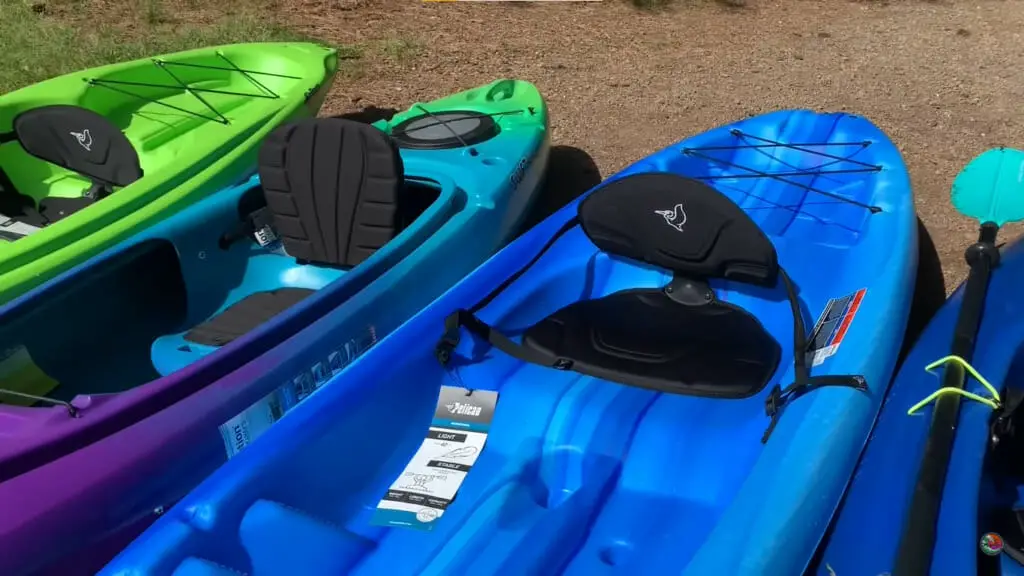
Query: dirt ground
941, 78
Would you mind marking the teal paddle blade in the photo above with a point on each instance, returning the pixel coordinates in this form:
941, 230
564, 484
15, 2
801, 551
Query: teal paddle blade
991, 187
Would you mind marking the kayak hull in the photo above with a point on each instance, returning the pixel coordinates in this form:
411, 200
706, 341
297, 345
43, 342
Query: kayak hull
559, 488
133, 453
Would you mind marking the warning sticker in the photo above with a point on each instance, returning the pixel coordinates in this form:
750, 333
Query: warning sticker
429, 482
832, 325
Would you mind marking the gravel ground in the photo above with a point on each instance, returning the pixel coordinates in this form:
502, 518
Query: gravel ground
938, 77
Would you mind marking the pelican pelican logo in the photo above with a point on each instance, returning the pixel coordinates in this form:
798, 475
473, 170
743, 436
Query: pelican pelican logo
84, 139
675, 217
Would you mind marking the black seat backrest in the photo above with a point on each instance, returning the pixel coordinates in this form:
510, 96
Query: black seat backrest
680, 224
80, 140
679, 339
334, 187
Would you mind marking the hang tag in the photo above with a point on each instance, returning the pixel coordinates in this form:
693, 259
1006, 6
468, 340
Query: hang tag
430, 481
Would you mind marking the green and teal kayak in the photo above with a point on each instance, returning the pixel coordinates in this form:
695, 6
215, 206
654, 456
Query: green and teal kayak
90, 158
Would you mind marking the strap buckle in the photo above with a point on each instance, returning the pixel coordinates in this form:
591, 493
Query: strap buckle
773, 403
778, 398
450, 339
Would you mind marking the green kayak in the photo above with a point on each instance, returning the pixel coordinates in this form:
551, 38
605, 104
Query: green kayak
88, 159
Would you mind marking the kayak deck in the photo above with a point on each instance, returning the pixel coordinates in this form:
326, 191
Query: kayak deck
165, 108
580, 475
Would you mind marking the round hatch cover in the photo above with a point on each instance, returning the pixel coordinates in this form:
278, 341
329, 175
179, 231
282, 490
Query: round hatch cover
449, 129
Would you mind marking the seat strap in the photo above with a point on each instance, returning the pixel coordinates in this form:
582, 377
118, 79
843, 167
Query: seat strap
778, 398
245, 228
467, 318
97, 191
803, 382
569, 225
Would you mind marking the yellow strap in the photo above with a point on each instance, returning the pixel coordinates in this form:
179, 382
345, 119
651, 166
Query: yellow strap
992, 402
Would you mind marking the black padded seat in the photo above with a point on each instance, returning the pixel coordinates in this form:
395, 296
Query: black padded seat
680, 224
334, 187
79, 140
644, 338
248, 313
334, 190
679, 339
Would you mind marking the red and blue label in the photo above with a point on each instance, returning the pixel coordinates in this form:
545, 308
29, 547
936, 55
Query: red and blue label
832, 326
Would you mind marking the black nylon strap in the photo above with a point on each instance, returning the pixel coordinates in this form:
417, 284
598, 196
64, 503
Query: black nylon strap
800, 370
569, 225
465, 319
779, 398
803, 382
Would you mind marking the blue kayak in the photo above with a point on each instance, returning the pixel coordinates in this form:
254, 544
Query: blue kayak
674, 374
980, 528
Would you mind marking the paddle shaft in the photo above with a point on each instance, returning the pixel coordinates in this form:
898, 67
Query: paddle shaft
918, 539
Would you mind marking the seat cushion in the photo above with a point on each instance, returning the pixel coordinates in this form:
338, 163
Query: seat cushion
643, 338
680, 224
246, 314
80, 140
334, 187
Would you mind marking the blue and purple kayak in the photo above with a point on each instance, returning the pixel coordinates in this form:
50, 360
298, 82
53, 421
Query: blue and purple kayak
130, 378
